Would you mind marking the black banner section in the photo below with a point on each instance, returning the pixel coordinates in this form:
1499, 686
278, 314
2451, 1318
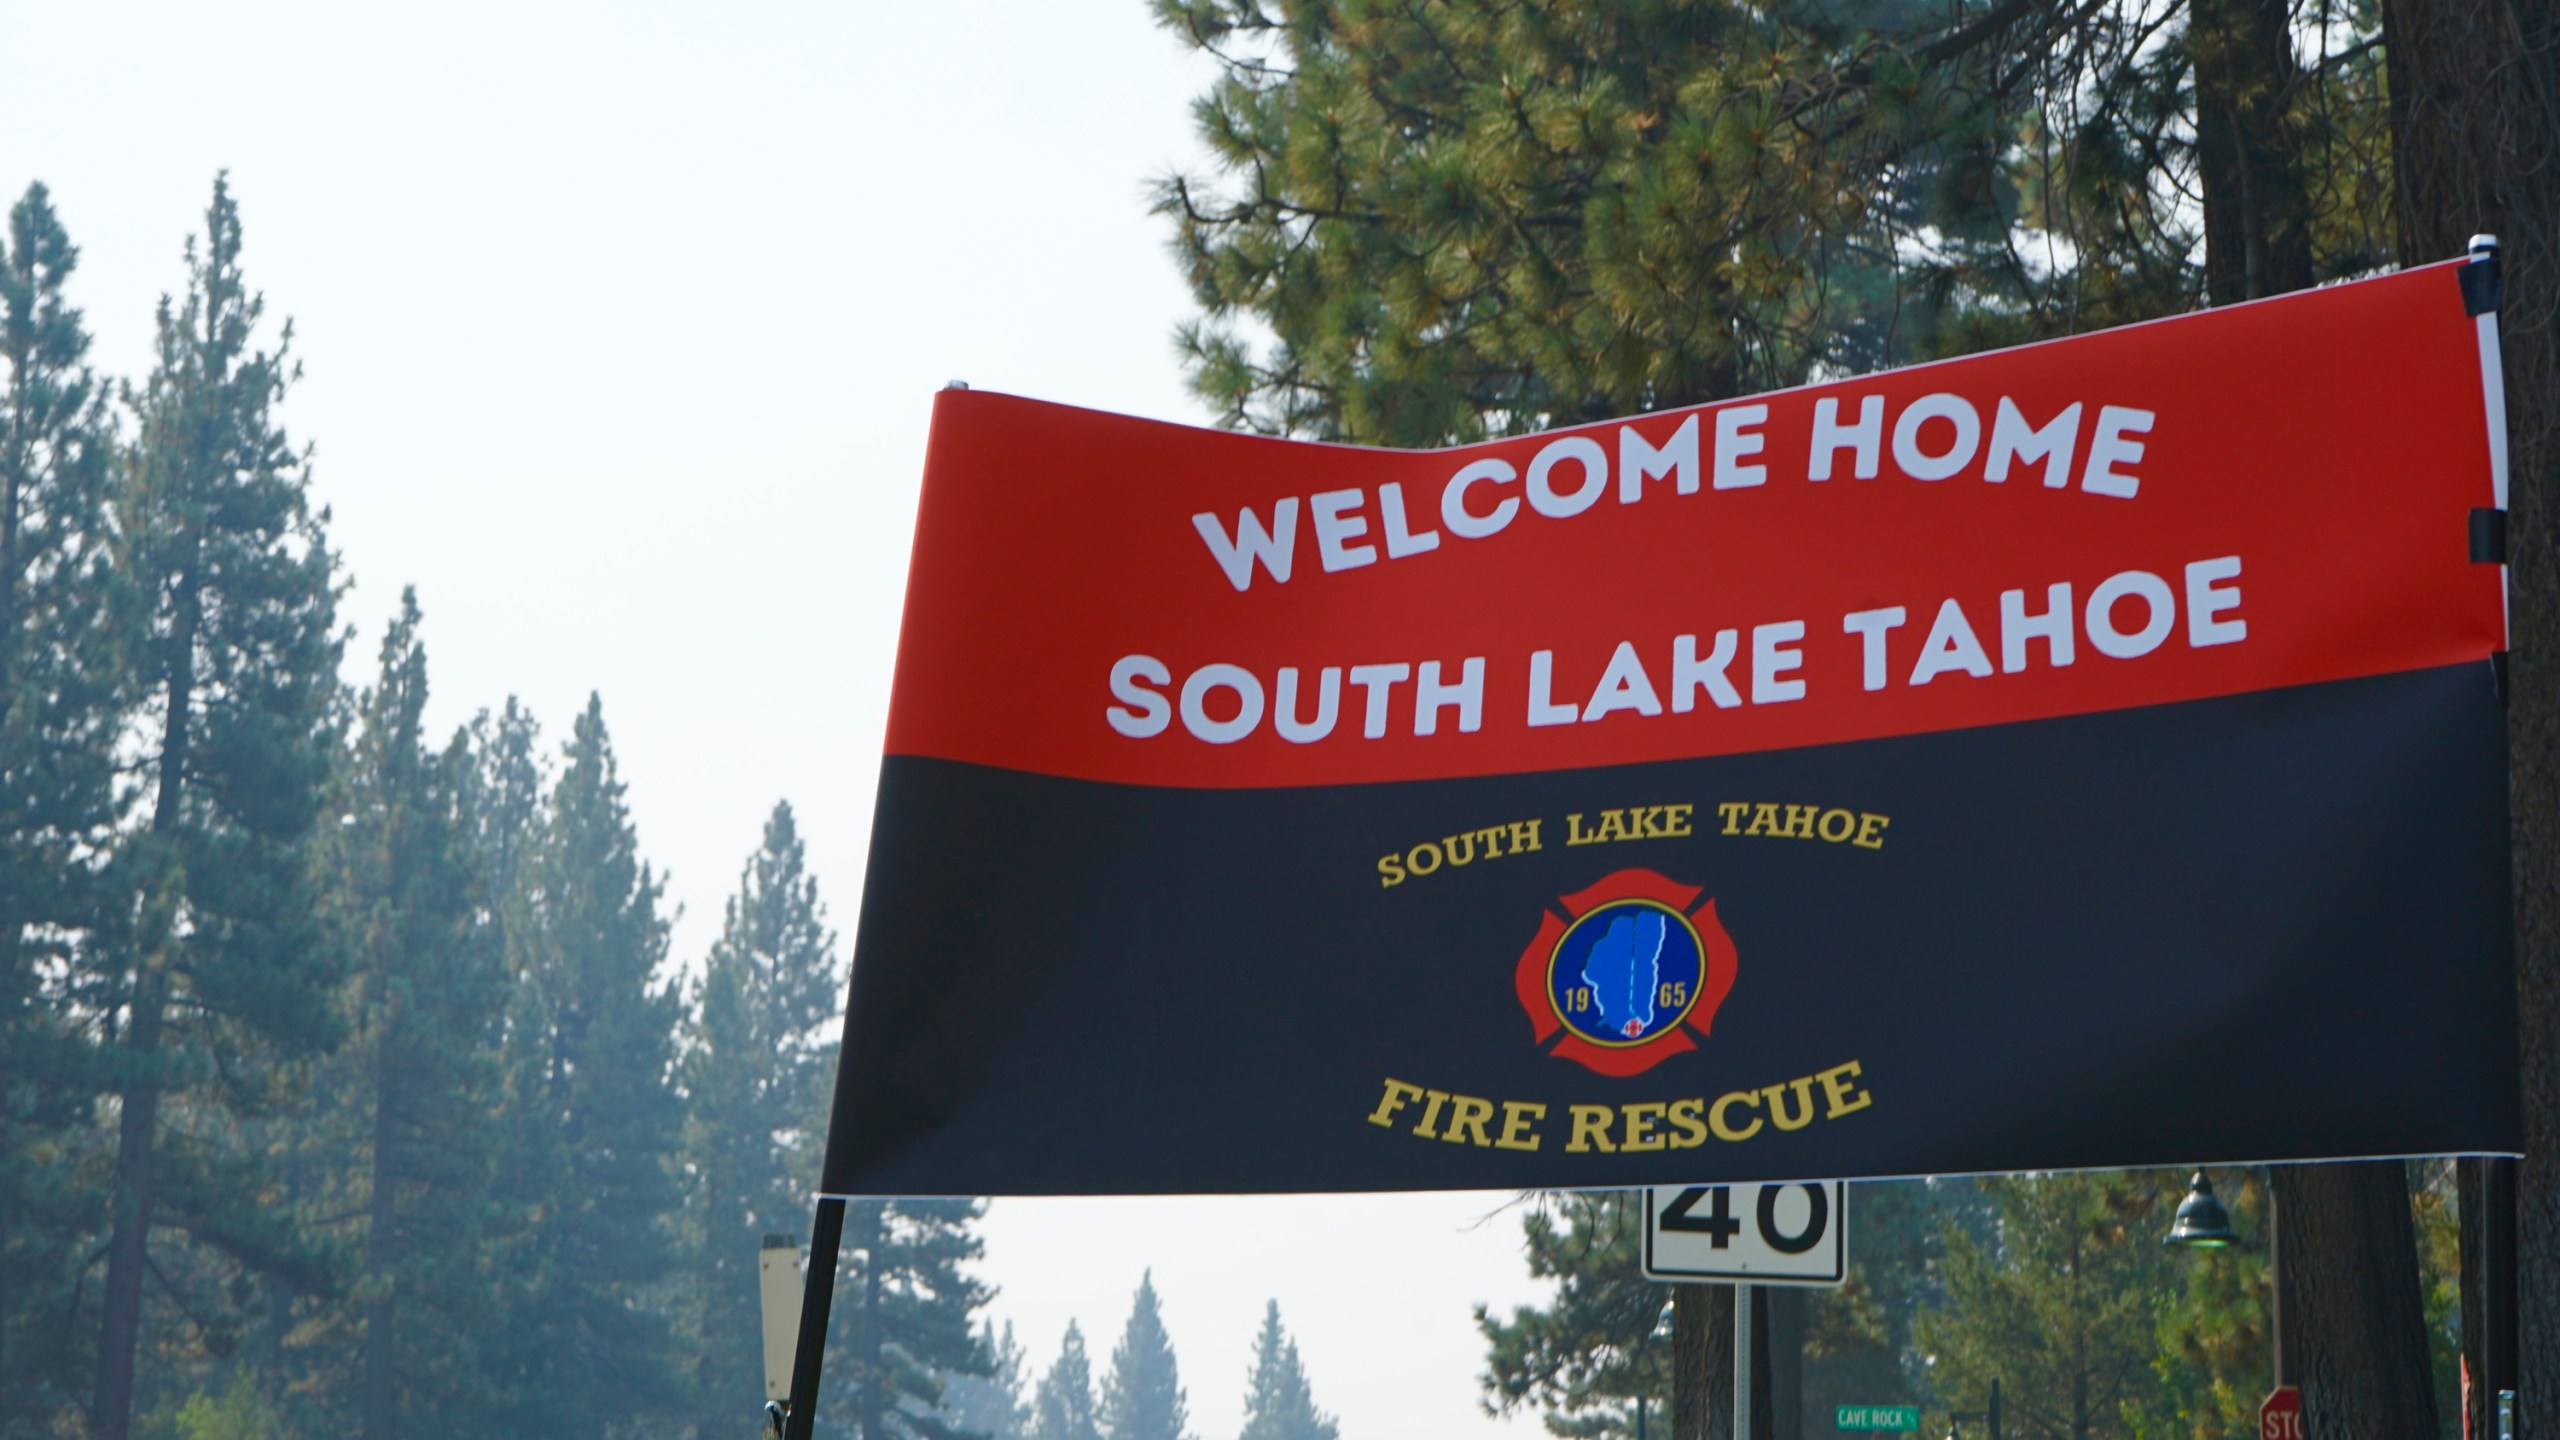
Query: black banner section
2264, 927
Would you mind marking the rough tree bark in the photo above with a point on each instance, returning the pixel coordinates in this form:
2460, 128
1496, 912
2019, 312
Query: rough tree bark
2257, 233
2475, 117
1702, 1362
2355, 1327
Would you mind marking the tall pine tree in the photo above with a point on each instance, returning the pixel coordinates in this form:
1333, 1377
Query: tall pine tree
421, 1075
1142, 1396
1278, 1402
1063, 1408
59, 710
593, 1115
1455, 220
510, 785
757, 1061
220, 969
993, 1405
1597, 1361
911, 1319
1438, 220
2063, 1306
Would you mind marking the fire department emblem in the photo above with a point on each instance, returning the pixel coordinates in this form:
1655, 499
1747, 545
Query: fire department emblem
1627, 973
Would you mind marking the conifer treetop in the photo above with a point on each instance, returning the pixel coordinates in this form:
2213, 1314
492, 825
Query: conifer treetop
1279, 1404
1063, 1407
1142, 1398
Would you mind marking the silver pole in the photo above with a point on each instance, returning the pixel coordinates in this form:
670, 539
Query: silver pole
1742, 1362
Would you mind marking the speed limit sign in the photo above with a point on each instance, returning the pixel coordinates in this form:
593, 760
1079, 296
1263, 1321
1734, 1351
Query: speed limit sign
1794, 1234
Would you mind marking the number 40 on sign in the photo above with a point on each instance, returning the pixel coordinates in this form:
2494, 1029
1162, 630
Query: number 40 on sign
1793, 1234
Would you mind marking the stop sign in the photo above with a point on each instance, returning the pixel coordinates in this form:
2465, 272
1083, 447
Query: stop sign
2280, 1414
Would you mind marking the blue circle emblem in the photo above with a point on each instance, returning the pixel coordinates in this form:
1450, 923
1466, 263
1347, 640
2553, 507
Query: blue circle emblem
1626, 972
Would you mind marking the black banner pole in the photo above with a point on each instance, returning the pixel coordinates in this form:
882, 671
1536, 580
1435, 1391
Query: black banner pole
825, 1238
2498, 1273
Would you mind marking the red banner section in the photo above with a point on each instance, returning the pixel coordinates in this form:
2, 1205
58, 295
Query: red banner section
2269, 495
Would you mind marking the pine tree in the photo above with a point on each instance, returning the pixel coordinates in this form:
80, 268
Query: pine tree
1455, 220
1278, 1403
757, 1061
593, 1116
1142, 1396
992, 1405
59, 707
2214, 1330
1597, 1361
510, 783
1858, 1339
2062, 1306
1063, 1408
906, 1314
221, 976
421, 1076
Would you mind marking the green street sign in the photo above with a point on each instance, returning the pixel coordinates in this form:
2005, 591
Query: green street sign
1879, 1417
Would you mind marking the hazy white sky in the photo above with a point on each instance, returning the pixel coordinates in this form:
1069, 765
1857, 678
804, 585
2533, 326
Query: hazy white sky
621, 324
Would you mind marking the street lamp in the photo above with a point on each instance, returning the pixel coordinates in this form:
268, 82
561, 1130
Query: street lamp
2203, 1224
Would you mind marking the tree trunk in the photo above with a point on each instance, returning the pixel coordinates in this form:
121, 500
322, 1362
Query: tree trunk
138, 1128
1702, 1362
120, 1319
2475, 134
2356, 1331
2248, 162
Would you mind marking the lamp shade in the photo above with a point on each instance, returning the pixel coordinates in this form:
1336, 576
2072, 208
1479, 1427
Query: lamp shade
2202, 1223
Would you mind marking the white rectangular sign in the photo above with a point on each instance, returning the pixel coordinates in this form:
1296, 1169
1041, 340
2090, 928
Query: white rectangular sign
1795, 1234
778, 1281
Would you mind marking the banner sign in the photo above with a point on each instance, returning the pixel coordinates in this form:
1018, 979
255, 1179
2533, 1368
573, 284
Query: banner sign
2080, 755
